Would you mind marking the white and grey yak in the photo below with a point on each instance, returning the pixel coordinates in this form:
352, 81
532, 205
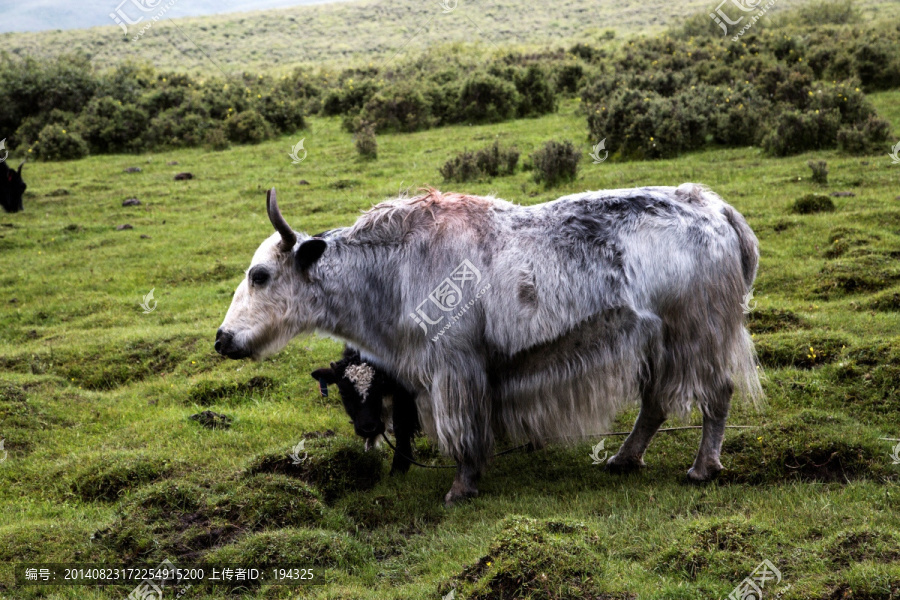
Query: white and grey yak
533, 323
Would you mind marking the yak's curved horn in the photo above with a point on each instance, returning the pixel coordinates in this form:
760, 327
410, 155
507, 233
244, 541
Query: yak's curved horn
22, 164
288, 237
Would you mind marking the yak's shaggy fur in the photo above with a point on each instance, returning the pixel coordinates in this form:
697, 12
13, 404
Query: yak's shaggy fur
583, 304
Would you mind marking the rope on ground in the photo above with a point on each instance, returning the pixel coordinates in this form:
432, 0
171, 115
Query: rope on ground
530, 446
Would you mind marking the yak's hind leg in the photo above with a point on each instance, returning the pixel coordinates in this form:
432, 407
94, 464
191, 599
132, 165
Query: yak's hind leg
461, 408
630, 456
715, 412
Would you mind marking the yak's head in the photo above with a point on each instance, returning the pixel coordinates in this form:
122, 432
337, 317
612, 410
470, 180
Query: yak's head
11, 188
274, 301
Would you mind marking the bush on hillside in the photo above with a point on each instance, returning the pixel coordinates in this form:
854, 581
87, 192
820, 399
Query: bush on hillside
366, 144
284, 113
108, 125
555, 163
247, 127
28, 132
57, 143
492, 161
400, 108
536, 95
487, 99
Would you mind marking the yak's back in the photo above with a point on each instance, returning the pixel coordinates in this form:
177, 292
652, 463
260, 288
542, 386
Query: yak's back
430, 214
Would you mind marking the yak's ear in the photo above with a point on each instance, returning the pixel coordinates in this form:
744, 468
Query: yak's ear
309, 252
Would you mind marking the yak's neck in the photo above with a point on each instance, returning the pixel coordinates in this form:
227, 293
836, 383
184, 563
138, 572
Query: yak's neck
359, 297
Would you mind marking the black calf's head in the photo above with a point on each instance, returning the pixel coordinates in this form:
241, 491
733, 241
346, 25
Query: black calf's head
362, 392
11, 188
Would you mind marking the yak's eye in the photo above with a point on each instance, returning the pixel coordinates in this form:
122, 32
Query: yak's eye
258, 276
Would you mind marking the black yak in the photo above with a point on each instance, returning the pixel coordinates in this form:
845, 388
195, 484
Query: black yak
11, 188
375, 401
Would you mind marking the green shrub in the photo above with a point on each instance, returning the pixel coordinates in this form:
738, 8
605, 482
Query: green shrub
488, 162
284, 113
462, 167
877, 65
568, 78
349, 98
176, 128
108, 125
587, 52
443, 98
845, 97
247, 127
216, 138
536, 95
223, 99
30, 129
33, 87
163, 98
366, 144
57, 143
795, 131
868, 138
644, 124
126, 82
819, 170
487, 99
555, 162
396, 108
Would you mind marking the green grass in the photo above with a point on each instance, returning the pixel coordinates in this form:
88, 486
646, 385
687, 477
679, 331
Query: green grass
104, 464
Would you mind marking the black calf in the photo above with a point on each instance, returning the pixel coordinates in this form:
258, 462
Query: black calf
11, 188
372, 399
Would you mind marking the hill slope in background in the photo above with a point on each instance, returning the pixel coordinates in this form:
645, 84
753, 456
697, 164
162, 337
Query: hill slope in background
369, 30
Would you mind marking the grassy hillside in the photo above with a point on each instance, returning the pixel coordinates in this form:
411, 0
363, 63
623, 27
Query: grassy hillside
366, 31
105, 465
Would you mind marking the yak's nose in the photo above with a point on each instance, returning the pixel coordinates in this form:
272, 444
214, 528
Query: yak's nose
222, 340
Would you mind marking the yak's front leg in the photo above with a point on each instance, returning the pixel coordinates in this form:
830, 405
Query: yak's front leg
406, 423
462, 420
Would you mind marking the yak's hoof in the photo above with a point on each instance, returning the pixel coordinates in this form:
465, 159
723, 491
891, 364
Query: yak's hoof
456, 496
620, 464
703, 475
399, 469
